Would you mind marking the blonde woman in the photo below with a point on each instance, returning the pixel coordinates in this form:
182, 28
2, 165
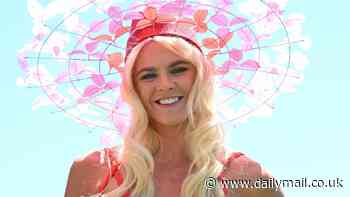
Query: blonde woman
174, 143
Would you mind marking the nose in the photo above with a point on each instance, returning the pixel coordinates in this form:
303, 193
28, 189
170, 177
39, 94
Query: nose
165, 83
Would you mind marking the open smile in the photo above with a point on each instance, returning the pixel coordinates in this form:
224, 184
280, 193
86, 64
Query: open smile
169, 102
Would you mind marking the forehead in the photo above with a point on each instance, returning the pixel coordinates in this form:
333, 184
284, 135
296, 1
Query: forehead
154, 54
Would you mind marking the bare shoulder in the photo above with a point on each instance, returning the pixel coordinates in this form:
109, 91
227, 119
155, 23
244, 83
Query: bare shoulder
239, 166
88, 173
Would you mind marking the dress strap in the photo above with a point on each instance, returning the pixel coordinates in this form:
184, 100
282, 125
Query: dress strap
114, 171
233, 156
107, 156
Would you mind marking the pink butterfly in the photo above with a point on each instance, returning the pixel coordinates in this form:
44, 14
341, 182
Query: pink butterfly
99, 85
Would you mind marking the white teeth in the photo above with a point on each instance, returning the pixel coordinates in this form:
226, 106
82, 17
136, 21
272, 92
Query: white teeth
169, 101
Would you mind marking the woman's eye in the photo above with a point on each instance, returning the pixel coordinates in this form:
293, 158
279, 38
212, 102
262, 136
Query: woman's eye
178, 70
148, 76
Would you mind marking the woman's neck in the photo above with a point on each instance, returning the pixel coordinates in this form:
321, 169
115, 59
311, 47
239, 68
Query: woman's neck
172, 148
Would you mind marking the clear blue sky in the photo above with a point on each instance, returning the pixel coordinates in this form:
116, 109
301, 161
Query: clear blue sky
307, 136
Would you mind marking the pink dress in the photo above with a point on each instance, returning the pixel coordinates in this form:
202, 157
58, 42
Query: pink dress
116, 173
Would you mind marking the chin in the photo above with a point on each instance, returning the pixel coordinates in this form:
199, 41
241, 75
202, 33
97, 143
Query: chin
171, 121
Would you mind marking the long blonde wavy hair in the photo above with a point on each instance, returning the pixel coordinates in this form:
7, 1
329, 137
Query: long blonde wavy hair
203, 133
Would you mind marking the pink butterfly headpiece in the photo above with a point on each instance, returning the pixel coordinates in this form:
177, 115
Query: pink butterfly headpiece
256, 48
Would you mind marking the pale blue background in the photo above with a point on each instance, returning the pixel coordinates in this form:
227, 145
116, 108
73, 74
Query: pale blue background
307, 135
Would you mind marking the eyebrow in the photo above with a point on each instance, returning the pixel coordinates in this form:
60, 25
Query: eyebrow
173, 64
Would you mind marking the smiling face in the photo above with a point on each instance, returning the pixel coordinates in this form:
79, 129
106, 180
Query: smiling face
163, 82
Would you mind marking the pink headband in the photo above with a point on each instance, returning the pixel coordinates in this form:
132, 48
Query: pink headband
142, 29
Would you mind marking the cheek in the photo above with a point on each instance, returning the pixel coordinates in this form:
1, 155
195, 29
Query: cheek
144, 93
189, 81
